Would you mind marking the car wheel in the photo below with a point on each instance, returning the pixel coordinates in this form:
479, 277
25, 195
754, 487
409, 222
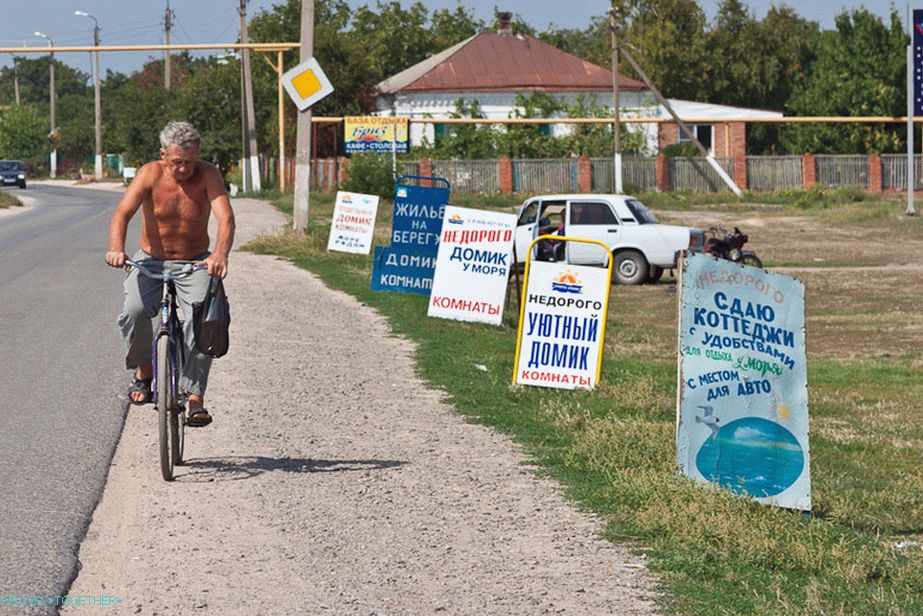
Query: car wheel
655, 274
630, 267
22, 184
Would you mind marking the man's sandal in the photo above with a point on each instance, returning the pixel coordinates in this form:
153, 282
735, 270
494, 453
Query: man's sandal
140, 386
198, 417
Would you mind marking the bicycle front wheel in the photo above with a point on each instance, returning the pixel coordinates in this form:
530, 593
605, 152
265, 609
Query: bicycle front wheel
165, 405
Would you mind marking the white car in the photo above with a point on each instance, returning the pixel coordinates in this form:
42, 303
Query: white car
641, 247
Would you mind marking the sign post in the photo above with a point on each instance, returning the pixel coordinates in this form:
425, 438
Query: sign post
472, 265
353, 223
407, 265
376, 134
562, 321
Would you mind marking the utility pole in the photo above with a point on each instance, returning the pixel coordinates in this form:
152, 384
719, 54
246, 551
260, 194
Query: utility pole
53, 163
616, 125
99, 134
16, 79
682, 125
303, 138
98, 109
167, 24
254, 161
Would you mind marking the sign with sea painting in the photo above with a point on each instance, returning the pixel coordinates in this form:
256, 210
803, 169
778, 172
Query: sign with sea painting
742, 395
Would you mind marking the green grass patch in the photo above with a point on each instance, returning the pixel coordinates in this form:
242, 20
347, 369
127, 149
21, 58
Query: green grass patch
613, 450
8, 200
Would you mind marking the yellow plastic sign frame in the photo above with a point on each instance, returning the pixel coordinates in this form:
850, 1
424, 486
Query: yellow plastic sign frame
306, 84
525, 290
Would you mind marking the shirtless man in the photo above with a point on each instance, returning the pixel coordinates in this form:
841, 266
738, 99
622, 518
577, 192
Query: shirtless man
176, 194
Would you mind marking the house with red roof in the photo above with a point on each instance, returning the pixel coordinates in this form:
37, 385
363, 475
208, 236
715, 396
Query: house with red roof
492, 68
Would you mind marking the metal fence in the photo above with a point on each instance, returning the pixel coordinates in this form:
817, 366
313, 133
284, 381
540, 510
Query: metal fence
695, 174
894, 172
638, 174
480, 177
843, 170
545, 175
766, 173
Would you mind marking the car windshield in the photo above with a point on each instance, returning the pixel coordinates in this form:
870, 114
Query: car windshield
641, 213
6, 165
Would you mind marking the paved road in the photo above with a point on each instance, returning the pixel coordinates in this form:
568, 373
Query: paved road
61, 379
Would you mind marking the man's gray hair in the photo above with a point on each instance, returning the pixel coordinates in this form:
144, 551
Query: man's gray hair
180, 134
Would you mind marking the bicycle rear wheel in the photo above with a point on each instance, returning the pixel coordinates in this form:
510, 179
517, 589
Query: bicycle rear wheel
165, 405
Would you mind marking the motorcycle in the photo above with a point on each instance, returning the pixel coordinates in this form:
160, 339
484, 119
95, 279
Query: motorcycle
729, 245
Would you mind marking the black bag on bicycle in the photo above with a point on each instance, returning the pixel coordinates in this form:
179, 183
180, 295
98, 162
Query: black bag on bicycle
211, 319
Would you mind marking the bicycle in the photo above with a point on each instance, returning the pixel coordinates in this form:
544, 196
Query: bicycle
168, 357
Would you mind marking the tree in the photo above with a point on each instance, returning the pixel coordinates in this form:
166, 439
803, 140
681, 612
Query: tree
34, 75
860, 70
22, 132
668, 39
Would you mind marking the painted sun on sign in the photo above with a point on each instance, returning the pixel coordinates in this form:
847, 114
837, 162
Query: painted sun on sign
567, 282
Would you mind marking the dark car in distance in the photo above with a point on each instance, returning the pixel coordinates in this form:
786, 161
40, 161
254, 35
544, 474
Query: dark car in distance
12, 172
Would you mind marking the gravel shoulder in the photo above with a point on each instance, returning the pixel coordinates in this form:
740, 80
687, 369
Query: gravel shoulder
334, 481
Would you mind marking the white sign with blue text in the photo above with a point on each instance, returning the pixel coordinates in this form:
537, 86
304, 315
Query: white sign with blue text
472, 265
742, 396
353, 223
562, 325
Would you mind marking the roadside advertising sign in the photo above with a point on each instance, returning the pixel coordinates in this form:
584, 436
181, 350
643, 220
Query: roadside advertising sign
353, 222
917, 52
562, 322
376, 134
742, 397
472, 265
407, 265
306, 84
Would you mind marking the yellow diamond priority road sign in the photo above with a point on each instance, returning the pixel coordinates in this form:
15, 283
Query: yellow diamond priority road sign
306, 84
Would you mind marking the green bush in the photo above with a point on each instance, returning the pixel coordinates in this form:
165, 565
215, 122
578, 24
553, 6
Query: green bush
681, 150
370, 174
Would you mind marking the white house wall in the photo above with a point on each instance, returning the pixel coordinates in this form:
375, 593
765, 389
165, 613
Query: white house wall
498, 106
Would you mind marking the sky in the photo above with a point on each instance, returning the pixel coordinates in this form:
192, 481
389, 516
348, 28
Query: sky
124, 22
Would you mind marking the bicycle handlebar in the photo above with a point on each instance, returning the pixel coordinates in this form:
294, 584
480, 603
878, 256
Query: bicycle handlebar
187, 271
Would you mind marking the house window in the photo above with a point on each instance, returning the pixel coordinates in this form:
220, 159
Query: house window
702, 132
438, 134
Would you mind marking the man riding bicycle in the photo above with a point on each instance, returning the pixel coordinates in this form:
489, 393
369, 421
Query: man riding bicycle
176, 194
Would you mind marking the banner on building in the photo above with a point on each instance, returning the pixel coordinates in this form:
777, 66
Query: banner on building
562, 322
407, 265
353, 222
472, 265
376, 134
742, 396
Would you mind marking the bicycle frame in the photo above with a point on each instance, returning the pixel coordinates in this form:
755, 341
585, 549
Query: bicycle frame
171, 326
